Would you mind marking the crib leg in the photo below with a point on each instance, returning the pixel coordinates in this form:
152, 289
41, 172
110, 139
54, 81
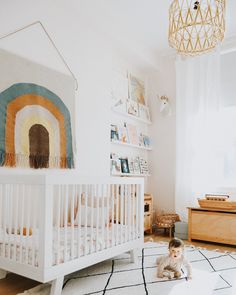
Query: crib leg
56, 287
3, 274
134, 255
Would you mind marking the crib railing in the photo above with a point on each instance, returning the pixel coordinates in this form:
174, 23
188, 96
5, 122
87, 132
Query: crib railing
46, 221
88, 218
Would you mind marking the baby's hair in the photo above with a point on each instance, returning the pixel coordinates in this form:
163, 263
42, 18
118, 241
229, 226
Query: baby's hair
176, 243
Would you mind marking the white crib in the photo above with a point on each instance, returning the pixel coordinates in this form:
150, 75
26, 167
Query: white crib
51, 226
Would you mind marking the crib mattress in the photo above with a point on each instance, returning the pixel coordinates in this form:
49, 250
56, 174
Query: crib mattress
66, 243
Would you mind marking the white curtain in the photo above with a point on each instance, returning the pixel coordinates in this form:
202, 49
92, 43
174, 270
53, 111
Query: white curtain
197, 105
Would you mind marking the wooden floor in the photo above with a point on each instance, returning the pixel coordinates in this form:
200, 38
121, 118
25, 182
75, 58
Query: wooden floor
14, 284
210, 246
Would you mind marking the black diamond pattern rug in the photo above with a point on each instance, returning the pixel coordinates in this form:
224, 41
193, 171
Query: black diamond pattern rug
214, 273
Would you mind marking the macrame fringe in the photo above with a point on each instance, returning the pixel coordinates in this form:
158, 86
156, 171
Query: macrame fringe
36, 161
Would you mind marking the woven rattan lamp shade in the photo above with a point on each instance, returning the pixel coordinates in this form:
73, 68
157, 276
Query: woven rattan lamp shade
196, 27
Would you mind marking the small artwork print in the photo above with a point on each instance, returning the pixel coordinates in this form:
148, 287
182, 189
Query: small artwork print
114, 133
124, 165
146, 141
136, 166
115, 165
136, 90
122, 132
131, 165
132, 134
143, 166
132, 107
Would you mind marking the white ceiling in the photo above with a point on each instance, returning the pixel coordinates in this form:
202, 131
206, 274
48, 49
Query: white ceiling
142, 24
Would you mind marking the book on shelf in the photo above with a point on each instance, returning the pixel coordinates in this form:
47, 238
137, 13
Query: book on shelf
124, 165
131, 165
136, 165
143, 166
114, 133
140, 138
146, 141
115, 164
132, 134
123, 134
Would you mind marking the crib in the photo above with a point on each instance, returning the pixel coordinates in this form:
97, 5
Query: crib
53, 225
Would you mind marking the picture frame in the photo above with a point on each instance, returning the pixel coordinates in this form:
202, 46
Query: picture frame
141, 139
143, 166
123, 134
114, 133
115, 164
144, 112
132, 134
146, 141
131, 165
136, 89
124, 165
136, 166
132, 107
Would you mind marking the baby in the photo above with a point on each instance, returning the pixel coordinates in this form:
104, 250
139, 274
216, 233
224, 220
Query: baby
173, 261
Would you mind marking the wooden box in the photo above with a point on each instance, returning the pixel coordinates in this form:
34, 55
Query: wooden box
212, 225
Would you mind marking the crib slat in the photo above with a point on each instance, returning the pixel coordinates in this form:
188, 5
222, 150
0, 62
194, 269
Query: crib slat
58, 200
122, 213
28, 225
4, 218
22, 222
133, 210
103, 216
46, 226
108, 193
34, 224
129, 211
137, 211
117, 214
79, 220
92, 217
86, 220
10, 216
65, 197
112, 215
15, 218
97, 221
126, 211
72, 220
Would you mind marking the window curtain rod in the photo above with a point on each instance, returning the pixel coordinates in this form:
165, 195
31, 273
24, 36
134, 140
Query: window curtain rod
51, 40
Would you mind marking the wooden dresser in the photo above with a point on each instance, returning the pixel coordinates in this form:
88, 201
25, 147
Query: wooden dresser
212, 225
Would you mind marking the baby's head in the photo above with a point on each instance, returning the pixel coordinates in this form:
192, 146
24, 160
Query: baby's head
176, 248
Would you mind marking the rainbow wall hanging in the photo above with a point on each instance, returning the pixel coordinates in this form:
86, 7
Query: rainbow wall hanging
35, 122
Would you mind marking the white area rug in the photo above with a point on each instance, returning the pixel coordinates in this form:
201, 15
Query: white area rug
214, 273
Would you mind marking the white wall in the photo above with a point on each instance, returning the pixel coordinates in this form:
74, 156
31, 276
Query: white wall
162, 159
91, 56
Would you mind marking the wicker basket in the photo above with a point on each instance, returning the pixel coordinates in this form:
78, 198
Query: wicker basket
167, 220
